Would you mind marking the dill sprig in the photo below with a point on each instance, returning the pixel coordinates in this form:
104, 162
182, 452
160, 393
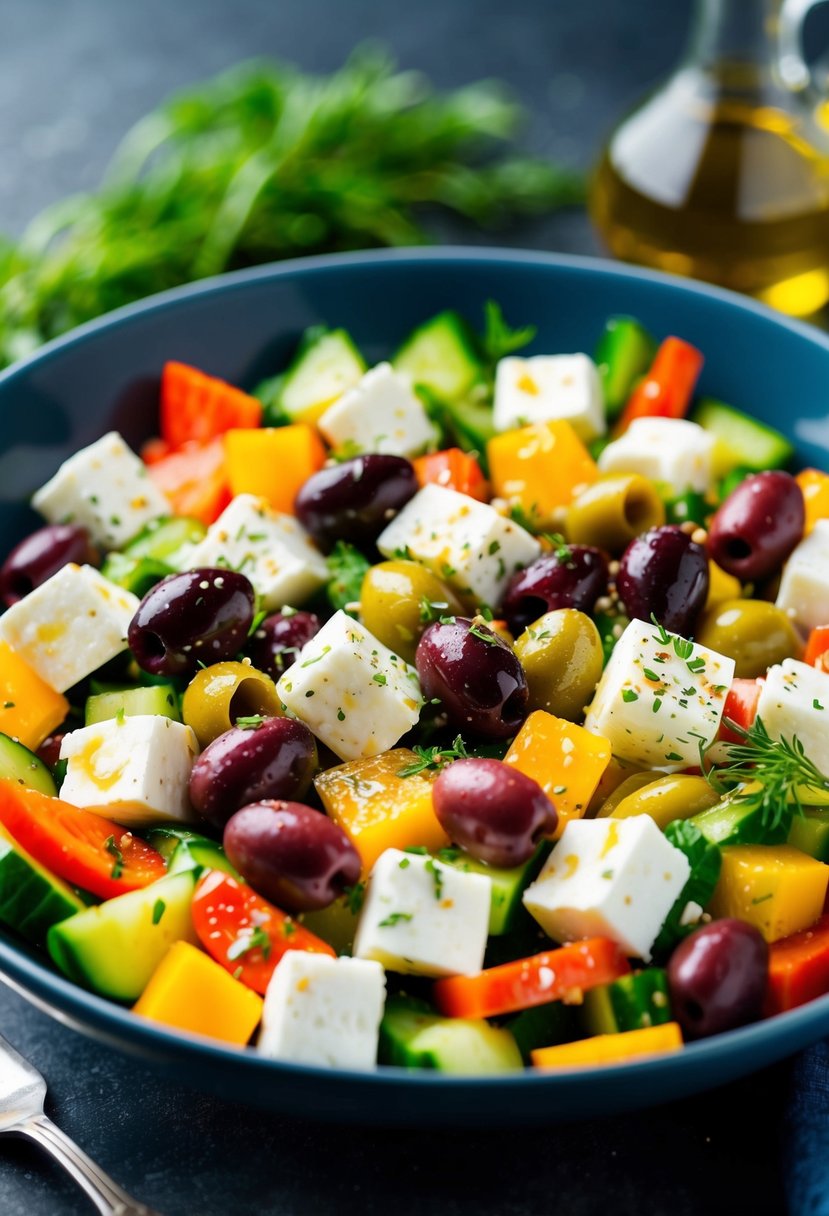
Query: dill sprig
434, 757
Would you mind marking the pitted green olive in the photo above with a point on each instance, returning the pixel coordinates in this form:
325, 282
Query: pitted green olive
399, 599
631, 785
753, 633
561, 654
677, 796
613, 510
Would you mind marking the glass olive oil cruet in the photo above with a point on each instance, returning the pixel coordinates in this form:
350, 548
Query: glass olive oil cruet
723, 172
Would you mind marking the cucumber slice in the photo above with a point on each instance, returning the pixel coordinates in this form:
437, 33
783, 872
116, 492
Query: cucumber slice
326, 365
135, 574
165, 540
441, 355
742, 442
115, 947
507, 885
544, 1026
624, 352
736, 822
31, 899
810, 833
18, 764
413, 1036
159, 699
630, 1003
185, 850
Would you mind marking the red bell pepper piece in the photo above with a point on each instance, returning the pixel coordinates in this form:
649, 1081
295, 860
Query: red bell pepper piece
798, 968
740, 708
197, 408
455, 469
667, 389
194, 480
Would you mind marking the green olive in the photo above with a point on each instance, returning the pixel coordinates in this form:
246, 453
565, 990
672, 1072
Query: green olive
674, 797
613, 510
399, 599
631, 785
561, 654
753, 633
219, 694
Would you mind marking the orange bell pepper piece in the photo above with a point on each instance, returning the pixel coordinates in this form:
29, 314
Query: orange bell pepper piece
194, 480
455, 469
817, 648
273, 462
815, 487
610, 1048
30, 709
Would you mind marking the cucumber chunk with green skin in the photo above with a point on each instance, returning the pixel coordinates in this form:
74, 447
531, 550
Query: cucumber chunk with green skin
630, 1003
158, 699
742, 441
135, 574
507, 885
544, 1026
186, 850
115, 947
810, 833
18, 764
737, 821
624, 352
326, 365
31, 899
442, 356
413, 1036
166, 539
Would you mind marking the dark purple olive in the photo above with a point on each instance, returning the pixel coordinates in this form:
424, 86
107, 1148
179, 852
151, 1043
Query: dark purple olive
279, 639
717, 978
276, 759
492, 810
40, 556
355, 500
201, 616
49, 750
480, 683
293, 855
665, 574
572, 577
757, 526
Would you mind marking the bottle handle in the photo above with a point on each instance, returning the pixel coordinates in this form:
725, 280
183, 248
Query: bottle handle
812, 84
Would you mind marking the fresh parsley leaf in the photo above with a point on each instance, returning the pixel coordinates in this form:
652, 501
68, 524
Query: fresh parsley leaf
347, 568
500, 339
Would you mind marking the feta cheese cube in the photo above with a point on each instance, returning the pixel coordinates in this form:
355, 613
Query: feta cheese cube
795, 701
352, 691
423, 918
70, 625
467, 543
548, 388
134, 770
616, 878
804, 587
269, 548
670, 450
380, 414
105, 489
659, 697
323, 1011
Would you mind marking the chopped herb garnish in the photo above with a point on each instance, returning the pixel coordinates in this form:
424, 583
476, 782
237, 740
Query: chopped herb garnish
434, 757
316, 659
404, 863
486, 635
649, 674
380, 679
251, 722
354, 897
340, 715
255, 939
118, 865
629, 695
395, 918
437, 877
159, 908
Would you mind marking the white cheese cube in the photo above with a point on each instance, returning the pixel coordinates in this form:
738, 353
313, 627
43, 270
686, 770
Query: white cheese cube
70, 625
423, 918
670, 450
616, 878
549, 388
659, 697
804, 587
355, 694
380, 414
105, 489
467, 543
323, 1011
794, 700
134, 770
269, 548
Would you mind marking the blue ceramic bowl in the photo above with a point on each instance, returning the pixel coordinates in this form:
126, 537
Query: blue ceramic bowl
244, 327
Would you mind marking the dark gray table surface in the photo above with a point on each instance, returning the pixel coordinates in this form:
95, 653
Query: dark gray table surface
73, 75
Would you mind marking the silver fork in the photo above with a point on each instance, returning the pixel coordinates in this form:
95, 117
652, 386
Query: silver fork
22, 1092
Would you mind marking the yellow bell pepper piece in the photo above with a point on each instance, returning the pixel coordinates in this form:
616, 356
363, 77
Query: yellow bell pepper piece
189, 991
566, 760
775, 887
377, 808
611, 1048
30, 709
273, 462
541, 467
721, 586
815, 487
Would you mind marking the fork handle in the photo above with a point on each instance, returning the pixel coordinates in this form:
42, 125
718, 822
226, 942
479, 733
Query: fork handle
108, 1197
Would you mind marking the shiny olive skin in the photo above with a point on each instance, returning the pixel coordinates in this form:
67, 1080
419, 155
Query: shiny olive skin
477, 678
571, 577
664, 574
277, 641
754, 633
494, 812
201, 616
717, 978
354, 500
677, 796
613, 510
276, 759
398, 601
40, 556
758, 525
220, 694
562, 657
293, 855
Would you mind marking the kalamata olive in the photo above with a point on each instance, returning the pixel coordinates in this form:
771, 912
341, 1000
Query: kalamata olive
355, 500
758, 525
274, 646
40, 556
477, 678
717, 978
291, 854
574, 576
275, 759
492, 810
665, 574
201, 616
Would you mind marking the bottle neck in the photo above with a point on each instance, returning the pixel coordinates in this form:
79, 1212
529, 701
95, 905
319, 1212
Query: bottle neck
733, 32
